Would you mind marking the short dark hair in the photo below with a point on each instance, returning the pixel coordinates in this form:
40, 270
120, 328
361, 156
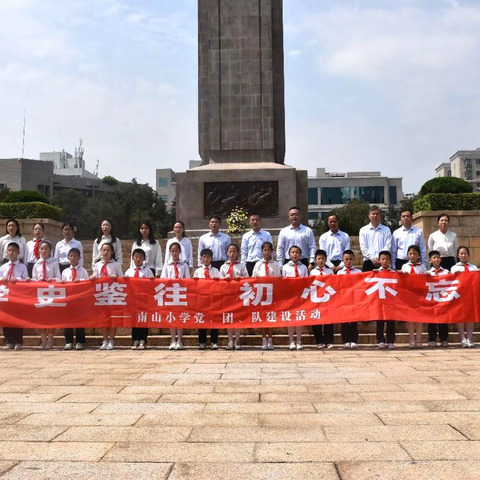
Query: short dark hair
234, 245
75, 250
173, 244
409, 210
255, 214
333, 215
206, 251
374, 208
294, 246
434, 252
442, 215
385, 253
216, 217
348, 252
14, 245
293, 208
139, 251
416, 248
267, 244
320, 252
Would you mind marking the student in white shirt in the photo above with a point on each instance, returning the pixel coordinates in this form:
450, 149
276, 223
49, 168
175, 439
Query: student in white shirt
206, 271
298, 235
186, 254
63, 246
334, 243
385, 260
414, 267
295, 268
405, 236
12, 234
374, 238
46, 270
232, 269
108, 267
139, 270
267, 267
175, 269
74, 273
32, 252
349, 329
13, 271
323, 334
153, 251
106, 235
445, 241
252, 241
463, 265
216, 241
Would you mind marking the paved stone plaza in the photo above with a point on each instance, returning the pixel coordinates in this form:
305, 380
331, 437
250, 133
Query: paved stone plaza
240, 415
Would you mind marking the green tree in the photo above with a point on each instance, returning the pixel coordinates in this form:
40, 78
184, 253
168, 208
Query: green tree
352, 217
72, 203
445, 185
25, 196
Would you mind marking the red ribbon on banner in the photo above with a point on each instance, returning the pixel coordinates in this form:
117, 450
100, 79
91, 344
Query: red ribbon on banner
246, 303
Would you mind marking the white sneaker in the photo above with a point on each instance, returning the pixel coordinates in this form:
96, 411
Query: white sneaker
329, 346
238, 346
432, 344
464, 343
179, 345
230, 346
110, 344
391, 346
381, 345
270, 344
214, 346
264, 344
412, 345
347, 345
319, 345
202, 346
444, 344
104, 345
418, 344
353, 345
8, 346
79, 346
141, 345
135, 345
299, 346
68, 346
471, 344
173, 345
292, 346
18, 346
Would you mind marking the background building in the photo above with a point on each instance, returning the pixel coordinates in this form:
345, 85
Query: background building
463, 164
327, 191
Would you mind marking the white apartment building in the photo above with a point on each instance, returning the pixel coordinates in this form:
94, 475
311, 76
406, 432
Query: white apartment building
463, 164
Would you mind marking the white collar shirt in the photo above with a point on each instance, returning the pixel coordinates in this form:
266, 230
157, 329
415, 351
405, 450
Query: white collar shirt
462, 267
186, 255
374, 240
62, 248
239, 270
168, 270
302, 237
288, 270
97, 249
320, 271
445, 243
251, 249
153, 255
438, 272
143, 272
113, 268
82, 274
52, 269
403, 238
353, 270
19, 270
274, 269
381, 269
419, 268
20, 241
334, 244
200, 272
218, 244
30, 250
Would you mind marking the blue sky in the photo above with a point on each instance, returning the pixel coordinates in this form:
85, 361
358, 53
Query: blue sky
370, 85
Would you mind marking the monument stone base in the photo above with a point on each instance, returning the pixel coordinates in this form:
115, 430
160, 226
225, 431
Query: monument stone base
268, 189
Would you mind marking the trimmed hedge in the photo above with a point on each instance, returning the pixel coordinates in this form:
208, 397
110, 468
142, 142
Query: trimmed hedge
446, 185
30, 210
447, 201
24, 196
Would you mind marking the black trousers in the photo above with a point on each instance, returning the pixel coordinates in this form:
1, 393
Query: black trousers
448, 262
399, 263
79, 334
63, 266
323, 333
368, 266
217, 264
390, 331
250, 266
30, 269
13, 335
350, 332
202, 335
336, 263
139, 334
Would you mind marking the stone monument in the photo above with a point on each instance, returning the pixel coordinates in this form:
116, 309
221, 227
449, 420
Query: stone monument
241, 118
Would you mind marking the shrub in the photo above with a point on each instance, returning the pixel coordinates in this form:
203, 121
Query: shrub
25, 196
448, 201
30, 210
109, 180
445, 185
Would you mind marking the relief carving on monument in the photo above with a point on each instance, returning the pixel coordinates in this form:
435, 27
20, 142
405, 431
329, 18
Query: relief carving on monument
220, 198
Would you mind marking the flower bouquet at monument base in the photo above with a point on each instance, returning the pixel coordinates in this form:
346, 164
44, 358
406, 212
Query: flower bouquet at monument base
237, 221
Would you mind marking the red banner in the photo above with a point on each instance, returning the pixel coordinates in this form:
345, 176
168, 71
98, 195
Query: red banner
247, 303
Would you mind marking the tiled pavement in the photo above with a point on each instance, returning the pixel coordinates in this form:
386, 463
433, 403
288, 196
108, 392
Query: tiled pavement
157, 414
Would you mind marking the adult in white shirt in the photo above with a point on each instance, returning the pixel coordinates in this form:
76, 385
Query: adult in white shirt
334, 243
404, 237
374, 238
444, 241
153, 251
216, 241
252, 241
12, 234
186, 255
299, 235
106, 235
63, 247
